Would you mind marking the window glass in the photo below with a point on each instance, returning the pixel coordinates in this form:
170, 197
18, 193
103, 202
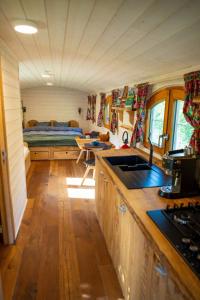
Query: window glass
157, 114
182, 129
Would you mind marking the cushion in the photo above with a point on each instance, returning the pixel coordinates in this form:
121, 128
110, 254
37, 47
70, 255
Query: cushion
43, 124
61, 124
90, 162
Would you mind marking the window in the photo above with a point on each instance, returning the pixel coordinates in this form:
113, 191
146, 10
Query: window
182, 129
157, 115
165, 117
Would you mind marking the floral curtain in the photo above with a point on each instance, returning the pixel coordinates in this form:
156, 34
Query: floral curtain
191, 109
139, 105
100, 119
88, 116
91, 111
93, 108
114, 122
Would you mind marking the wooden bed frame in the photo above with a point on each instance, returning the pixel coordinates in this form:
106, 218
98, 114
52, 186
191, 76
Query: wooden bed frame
54, 152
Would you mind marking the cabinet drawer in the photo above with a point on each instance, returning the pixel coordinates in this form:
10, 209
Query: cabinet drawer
65, 154
39, 155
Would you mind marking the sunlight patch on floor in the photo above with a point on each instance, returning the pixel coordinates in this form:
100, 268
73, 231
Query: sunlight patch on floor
80, 193
77, 181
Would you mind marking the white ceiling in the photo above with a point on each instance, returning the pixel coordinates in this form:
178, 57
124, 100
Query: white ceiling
94, 45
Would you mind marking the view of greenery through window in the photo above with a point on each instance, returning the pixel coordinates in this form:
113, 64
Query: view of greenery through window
156, 122
182, 129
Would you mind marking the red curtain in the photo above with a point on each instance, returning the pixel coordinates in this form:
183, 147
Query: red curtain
101, 112
93, 108
88, 116
91, 111
191, 109
140, 106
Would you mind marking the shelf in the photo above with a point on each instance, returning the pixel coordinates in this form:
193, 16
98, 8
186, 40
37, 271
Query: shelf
128, 127
129, 110
122, 109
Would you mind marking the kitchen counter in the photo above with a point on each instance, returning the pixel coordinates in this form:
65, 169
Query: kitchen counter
138, 202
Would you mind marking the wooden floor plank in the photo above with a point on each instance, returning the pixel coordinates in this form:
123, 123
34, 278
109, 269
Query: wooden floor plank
60, 252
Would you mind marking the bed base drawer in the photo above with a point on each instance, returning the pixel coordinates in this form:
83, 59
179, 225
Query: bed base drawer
65, 154
54, 153
40, 155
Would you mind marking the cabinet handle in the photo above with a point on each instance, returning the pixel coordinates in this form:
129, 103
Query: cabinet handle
161, 270
101, 172
122, 208
106, 180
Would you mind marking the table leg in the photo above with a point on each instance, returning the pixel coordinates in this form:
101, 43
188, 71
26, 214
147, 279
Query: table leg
79, 157
87, 154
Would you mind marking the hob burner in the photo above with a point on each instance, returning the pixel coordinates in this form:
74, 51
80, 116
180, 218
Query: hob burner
181, 226
182, 217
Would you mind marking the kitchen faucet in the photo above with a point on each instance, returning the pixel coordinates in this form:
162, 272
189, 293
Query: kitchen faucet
162, 137
151, 152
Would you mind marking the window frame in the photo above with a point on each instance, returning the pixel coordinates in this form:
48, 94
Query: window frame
169, 95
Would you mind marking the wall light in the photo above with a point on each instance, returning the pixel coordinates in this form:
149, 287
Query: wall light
49, 83
25, 27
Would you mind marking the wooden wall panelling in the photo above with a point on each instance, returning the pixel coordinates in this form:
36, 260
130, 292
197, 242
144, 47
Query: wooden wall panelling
6, 211
51, 103
13, 132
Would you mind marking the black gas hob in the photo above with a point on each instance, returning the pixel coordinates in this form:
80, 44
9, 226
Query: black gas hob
181, 226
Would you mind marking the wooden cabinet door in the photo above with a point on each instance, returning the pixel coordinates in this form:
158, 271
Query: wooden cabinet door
141, 272
139, 262
105, 206
162, 283
99, 193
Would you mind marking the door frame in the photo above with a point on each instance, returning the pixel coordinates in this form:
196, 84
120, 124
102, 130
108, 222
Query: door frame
6, 209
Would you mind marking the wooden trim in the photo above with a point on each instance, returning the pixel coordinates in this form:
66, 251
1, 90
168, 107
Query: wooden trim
170, 95
5, 194
158, 97
175, 94
108, 101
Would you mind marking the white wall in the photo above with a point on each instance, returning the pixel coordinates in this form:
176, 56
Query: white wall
13, 126
54, 103
116, 139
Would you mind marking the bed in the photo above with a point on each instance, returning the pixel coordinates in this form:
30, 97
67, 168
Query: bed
52, 142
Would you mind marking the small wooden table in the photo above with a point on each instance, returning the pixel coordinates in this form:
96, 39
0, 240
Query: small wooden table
81, 144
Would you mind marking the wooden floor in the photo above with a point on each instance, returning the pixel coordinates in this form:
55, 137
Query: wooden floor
60, 252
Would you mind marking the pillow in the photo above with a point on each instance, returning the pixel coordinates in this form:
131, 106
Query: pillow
32, 123
73, 123
61, 124
41, 124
